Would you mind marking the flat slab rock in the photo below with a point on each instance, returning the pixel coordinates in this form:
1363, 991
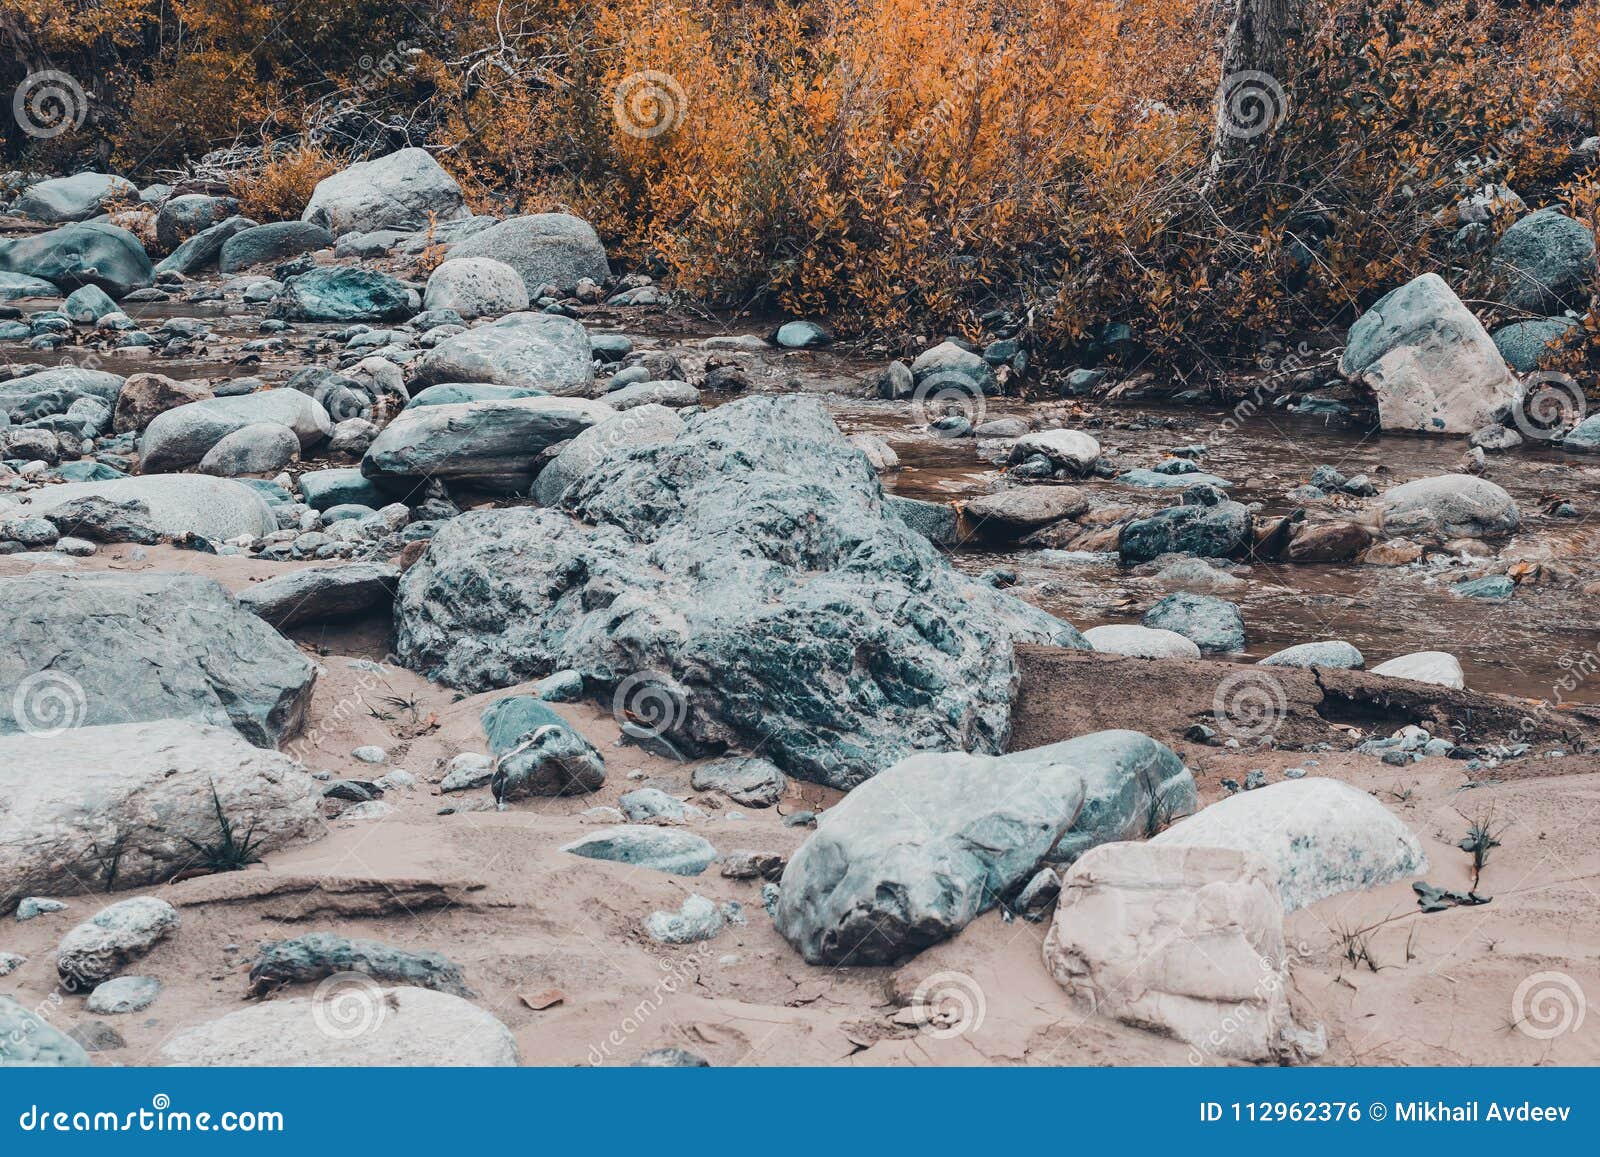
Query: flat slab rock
320, 955
323, 593
1321, 837
113, 648
356, 1023
146, 789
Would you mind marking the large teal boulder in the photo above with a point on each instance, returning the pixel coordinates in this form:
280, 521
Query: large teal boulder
913, 855
1523, 343
1547, 260
344, 293
84, 253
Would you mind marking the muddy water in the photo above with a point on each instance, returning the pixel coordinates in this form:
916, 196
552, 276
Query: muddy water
1517, 646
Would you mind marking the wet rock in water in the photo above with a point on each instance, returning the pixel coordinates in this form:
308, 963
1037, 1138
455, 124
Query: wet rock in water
1547, 260
75, 198
1140, 642
88, 304
545, 248
88, 253
370, 1026
1328, 542
204, 249
489, 445
913, 855
802, 335
1433, 367
476, 287
938, 522
642, 426
698, 919
537, 752
146, 790
139, 509
346, 293
124, 994
406, 189
1069, 450
1334, 653
1159, 480
322, 594
539, 351
181, 218
1321, 837
272, 242
664, 849
1123, 945
180, 437
1584, 438
145, 397
671, 1058
1214, 625
1010, 515
1439, 667
743, 571
259, 448
1449, 506
126, 931
745, 779
306, 959
1525, 343
1207, 524
115, 648
28, 1040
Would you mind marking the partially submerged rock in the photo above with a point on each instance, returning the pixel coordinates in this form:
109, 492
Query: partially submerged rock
158, 792
1449, 506
1140, 642
86, 253
1335, 653
1212, 624
1321, 837
1437, 667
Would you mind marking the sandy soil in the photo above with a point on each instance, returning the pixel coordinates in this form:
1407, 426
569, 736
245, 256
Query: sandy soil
494, 892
